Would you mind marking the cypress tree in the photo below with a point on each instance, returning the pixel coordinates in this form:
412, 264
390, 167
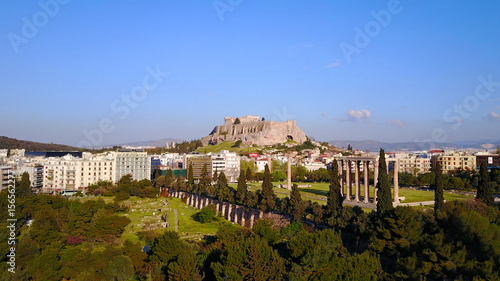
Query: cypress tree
190, 178
384, 196
296, 206
169, 178
204, 180
25, 185
215, 178
438, 189
335, 199
241, 191
267, 200
249, 175
222, 188
484, 188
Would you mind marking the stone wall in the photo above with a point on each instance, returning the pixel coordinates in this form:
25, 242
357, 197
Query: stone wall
232, 212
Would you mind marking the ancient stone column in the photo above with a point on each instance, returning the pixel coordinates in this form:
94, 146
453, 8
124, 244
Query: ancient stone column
356, 180
242, 221
261, 214
348, 180
375, 173
223, 209
367, 181
252, 218
341, 176
289, 175
396, 181
229, 209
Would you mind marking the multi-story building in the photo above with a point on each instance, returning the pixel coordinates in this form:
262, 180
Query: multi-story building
455, 161
198, 161
59, 174
69, 173
414, 165
5, 175
94, 168
132, 161
493, 160
35, 172
227, 162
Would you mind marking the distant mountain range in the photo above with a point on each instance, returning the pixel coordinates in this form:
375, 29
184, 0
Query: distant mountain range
11, 143
154, 143
374, 146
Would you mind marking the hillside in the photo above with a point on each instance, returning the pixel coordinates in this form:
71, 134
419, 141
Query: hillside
11, 143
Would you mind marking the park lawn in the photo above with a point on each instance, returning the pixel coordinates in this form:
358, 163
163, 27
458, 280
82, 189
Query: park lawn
147, 210
188, 227
320, 191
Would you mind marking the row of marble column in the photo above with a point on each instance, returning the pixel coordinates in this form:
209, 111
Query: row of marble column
232, 212
347, 179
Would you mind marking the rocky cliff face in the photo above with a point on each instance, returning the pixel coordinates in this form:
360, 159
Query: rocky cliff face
256, 132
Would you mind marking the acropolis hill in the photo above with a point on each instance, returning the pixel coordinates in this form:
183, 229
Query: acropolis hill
253, 131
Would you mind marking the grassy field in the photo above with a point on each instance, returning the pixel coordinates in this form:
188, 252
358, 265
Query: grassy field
146, 212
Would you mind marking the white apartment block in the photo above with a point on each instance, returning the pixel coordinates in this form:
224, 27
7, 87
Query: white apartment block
134, 162
5, 175
73, 173
227, 162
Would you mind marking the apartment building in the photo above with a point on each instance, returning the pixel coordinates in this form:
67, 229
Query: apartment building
132, 161
414, 165
5, 175
227, 162
454, 161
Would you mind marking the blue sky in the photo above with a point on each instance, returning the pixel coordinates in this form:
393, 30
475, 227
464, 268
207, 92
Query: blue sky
384, 70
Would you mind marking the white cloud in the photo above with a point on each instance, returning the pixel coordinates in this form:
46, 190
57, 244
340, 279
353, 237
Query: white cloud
395, 122
335, 64
355, 115
493, 116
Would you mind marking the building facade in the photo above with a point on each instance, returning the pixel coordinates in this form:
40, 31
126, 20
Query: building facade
132, 161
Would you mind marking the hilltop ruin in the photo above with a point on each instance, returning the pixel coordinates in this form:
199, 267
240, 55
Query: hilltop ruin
251, 130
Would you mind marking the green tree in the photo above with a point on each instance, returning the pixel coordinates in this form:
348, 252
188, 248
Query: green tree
335, 198
438, 189
165, 248
204, 181
384, 196
190, 183
222, 188
484, 188
250, 259
267, 201
296, 205
216, 176
241, 191
24, 185
249, 175
169, 178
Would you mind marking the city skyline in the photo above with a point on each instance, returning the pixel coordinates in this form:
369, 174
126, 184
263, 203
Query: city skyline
387, 70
